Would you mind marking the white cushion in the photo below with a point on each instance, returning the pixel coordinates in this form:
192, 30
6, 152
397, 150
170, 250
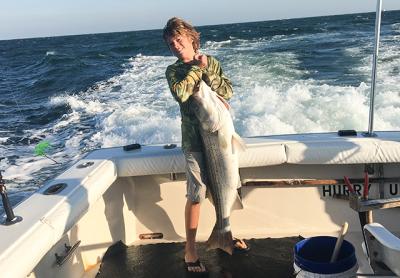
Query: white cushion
343, 151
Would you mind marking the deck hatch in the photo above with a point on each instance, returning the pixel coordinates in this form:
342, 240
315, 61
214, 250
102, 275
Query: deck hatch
55, 189
85, 164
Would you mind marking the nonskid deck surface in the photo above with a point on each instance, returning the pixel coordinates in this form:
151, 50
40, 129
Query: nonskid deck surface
269, 257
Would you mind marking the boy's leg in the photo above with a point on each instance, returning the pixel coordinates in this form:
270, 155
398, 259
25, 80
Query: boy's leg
196, 189
192, 214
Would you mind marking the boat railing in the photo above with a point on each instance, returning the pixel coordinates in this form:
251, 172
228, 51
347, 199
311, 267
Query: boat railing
374, 63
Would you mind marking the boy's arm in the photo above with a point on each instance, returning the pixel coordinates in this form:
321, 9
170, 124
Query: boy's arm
215, 78
183, 89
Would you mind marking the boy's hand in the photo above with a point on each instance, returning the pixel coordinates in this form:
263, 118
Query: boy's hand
200, 60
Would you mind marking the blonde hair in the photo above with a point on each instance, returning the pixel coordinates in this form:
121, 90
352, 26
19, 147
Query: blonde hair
176, 26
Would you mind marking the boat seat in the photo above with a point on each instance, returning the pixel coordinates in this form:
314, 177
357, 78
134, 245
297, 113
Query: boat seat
155, 159
318, 148
357, 150
383, 247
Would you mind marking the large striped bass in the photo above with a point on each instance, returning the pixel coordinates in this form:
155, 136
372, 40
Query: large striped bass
221, 146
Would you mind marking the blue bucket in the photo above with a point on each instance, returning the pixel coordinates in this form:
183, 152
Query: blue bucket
313, 255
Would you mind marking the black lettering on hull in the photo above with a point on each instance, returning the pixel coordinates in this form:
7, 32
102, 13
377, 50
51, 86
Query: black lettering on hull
338, 190
394, 189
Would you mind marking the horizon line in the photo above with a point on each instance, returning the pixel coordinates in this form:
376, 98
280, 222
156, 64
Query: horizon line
204, 25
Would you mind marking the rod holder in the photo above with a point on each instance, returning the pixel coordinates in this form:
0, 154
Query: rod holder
10, 216
69, 250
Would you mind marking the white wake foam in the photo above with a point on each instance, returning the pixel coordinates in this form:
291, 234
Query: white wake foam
271, 96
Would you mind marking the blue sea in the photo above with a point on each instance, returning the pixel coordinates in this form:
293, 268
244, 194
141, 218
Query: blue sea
85, 92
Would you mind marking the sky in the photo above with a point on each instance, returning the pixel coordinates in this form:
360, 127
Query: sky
47, 18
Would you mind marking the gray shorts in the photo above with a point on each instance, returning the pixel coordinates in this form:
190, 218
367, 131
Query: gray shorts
196, 177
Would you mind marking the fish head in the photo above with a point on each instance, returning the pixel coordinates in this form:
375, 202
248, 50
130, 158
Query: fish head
205, 109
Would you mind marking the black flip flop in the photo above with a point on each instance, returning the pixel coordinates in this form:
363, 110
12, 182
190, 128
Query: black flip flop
237, 249
197, 263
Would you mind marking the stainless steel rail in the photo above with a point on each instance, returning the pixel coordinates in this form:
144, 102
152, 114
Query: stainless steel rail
374, 62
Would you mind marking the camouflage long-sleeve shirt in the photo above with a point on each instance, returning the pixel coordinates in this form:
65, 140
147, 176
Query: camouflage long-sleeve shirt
182, 80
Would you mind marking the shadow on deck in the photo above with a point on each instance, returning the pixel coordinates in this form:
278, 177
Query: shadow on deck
269, 257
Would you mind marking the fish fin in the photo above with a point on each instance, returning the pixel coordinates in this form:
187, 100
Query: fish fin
237, 204
222, 240
209, 197
222, 140
238, 143
226, 104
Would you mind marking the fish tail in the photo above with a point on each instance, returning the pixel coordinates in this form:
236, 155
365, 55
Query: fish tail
222, 240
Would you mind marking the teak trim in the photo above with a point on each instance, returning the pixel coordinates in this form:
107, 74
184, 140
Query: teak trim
311, 182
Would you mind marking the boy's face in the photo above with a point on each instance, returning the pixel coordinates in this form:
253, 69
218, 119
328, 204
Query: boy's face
181, 46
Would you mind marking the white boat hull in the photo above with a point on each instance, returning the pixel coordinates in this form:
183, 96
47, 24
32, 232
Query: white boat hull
125, 195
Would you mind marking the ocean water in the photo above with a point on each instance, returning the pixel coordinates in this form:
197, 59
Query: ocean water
101, 90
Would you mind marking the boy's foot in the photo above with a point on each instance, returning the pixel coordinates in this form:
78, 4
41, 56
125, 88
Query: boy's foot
240, 246
196, 267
